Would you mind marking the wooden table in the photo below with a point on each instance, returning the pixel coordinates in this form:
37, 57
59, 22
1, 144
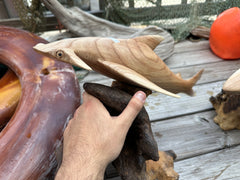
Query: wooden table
186, 125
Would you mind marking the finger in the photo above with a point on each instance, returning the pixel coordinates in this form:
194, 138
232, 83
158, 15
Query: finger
87, 97
94, 103
133, 108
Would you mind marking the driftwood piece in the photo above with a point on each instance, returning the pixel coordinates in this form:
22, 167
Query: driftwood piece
85, 24
201, 31
227, 106
163, 168
140, 144
227, 103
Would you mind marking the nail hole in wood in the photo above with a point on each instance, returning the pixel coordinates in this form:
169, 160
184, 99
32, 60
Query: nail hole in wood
45, 71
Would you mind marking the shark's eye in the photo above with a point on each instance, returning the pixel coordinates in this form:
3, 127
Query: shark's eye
59, 54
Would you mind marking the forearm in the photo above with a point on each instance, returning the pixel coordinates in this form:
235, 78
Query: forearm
84, 173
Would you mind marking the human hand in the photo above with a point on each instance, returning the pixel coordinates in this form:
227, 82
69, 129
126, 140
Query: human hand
93, 138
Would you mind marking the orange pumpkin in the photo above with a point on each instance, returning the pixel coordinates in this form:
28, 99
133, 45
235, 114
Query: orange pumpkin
225, 34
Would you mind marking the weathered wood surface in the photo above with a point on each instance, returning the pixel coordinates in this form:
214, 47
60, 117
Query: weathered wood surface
217, 165
185, 125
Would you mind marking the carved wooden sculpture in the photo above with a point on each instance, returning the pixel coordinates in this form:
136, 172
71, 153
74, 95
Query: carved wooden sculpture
50, 95
227, 104
132, 61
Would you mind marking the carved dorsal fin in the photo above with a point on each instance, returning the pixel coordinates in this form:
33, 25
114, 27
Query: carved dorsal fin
151, 40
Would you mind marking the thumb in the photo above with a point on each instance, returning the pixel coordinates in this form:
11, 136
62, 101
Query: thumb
133, 108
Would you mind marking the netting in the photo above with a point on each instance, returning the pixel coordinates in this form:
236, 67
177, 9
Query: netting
177, 16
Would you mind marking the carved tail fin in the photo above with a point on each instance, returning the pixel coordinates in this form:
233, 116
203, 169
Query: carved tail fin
191, 82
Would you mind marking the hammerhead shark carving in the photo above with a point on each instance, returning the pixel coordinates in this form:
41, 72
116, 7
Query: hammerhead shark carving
127, 60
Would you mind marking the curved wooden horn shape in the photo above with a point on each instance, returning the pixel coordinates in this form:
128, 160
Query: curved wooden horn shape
233, 82
129, 60
50, 95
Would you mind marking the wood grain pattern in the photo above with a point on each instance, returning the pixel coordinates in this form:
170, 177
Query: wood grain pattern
135, 61
232, 84
223, 164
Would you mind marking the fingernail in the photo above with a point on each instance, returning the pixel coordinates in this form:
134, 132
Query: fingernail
141, 96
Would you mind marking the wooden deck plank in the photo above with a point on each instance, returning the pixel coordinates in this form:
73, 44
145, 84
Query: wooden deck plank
160, 106
219, 165
189, 59
186, 46
192, 135
213, 72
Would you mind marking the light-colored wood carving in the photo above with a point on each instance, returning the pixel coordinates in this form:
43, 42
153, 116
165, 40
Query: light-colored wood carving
232, 84
128, 60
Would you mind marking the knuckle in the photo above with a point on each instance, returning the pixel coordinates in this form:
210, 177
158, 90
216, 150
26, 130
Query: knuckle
88, 106
136, 104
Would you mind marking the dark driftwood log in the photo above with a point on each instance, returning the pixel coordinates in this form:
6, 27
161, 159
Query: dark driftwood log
227, 106
139, 144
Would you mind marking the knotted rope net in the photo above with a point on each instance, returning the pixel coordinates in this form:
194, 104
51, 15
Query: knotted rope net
177, 16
